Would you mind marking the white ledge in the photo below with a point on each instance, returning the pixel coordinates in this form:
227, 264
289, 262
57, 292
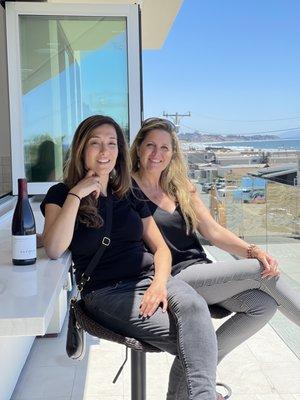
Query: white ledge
28, 294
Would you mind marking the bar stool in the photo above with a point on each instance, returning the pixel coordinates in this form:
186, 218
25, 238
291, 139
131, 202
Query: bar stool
137, 347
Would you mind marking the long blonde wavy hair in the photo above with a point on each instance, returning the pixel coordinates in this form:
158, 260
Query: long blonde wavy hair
174, 178
75, 170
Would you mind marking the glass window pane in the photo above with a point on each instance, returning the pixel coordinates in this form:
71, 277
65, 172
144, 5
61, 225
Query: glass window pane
72, 67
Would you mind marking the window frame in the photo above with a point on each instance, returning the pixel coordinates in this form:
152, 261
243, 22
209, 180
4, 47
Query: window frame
16, 9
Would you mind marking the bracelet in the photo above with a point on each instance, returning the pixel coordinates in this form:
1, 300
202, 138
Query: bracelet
73, 194
251, 249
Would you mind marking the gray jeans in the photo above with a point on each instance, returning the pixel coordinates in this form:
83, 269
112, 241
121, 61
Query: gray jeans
185, 330
236, 285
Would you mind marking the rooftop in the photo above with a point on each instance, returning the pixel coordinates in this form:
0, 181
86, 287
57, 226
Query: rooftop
277, 170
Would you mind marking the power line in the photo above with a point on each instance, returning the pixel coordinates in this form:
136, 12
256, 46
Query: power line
245, 120
246, 133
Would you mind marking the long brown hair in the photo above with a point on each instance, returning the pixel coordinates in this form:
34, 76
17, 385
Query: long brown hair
174, 179
75, 170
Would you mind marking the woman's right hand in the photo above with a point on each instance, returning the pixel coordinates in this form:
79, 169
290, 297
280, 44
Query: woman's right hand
269, 264
89, 184
155, 295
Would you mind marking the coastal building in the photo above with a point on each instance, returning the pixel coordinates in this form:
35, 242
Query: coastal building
236, 163
200, 156
238, 158
205, 173
236, 171
286, 174
280, 157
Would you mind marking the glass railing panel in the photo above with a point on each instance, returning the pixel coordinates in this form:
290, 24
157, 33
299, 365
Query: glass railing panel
282, 210
263, 212
283, 242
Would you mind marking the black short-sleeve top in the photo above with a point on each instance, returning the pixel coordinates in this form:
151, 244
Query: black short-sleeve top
126, 257
185, 248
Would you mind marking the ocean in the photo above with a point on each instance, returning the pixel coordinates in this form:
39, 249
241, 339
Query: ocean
282, 144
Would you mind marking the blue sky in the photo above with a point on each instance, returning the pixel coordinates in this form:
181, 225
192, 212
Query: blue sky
235, 64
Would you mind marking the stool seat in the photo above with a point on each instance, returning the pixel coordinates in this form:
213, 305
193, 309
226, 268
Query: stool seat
94, 328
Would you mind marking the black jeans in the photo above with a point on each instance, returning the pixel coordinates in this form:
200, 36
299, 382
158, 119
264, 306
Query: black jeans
185, 330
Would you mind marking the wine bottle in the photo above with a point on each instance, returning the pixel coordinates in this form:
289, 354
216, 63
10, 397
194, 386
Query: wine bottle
23, 229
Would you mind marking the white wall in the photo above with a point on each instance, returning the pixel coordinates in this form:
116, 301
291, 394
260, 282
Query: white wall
5, 163
13, 354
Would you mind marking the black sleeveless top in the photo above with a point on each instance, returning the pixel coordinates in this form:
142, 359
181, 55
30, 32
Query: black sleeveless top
185, 249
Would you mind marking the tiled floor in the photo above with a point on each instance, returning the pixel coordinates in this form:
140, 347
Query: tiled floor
262, 369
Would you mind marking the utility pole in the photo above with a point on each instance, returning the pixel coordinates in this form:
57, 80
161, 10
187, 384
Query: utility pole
298, 170
176, 118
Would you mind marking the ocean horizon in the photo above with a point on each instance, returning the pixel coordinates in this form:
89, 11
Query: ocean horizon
277, 144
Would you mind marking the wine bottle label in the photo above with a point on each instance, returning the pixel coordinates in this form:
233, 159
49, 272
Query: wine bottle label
23, 247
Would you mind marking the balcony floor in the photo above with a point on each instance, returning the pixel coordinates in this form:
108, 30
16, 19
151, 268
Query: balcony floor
263, 368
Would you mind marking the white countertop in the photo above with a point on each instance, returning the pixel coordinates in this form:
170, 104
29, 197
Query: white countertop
28, 294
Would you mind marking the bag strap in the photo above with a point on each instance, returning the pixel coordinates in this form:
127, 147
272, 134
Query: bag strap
105, 242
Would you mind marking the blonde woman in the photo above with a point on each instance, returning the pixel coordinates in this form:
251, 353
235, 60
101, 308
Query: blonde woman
131, 290
250, 287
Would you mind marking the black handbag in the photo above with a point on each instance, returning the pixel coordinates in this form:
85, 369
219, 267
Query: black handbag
76, 335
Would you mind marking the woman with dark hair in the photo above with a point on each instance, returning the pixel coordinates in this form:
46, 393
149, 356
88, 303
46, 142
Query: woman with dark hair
251, 288
131, 290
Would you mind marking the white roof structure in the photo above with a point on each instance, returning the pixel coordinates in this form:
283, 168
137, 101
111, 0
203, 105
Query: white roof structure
157, 17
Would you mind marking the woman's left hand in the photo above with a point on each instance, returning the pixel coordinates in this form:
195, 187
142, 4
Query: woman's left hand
269, 263
153, 297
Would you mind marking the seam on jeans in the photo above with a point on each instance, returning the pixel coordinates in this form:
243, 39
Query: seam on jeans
241, 279
241, 276
264, 288
181, 354
198, 288
245, 303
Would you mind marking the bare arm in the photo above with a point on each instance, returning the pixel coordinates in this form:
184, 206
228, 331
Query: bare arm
157, 292
59, 226
228, 241
60, 221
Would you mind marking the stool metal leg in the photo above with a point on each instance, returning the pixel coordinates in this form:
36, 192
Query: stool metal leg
138, 375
